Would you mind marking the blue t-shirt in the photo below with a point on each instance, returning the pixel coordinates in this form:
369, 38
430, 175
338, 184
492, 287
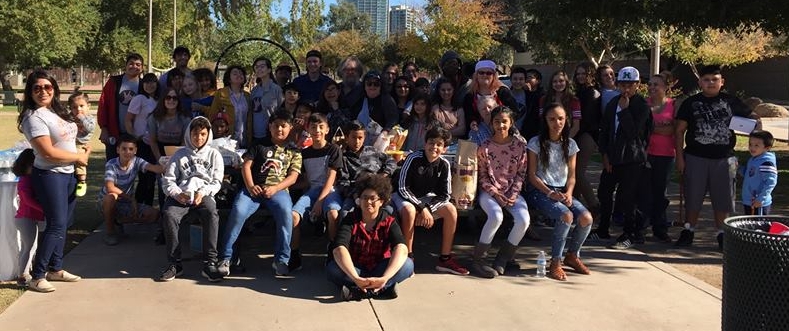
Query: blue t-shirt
122, 178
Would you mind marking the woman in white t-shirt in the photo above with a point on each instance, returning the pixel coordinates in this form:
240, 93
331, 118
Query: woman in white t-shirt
552, 156
52, 132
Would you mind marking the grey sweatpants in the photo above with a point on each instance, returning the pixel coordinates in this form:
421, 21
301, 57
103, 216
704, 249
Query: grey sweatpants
172, 215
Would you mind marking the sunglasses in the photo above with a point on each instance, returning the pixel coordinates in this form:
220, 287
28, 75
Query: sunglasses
373, 84
38, 88
485, 73
171, 98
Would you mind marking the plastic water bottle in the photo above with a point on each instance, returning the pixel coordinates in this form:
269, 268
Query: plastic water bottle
541, 265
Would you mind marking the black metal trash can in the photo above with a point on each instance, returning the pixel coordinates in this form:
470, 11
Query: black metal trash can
755, 275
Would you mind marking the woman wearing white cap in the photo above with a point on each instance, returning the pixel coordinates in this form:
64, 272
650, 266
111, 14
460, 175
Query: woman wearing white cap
485, 84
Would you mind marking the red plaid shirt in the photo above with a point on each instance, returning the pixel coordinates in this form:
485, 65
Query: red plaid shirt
367, 249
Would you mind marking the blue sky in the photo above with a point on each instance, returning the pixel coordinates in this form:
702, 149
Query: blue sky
281, 8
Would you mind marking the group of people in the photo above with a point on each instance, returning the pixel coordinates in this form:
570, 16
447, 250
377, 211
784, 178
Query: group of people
308, 155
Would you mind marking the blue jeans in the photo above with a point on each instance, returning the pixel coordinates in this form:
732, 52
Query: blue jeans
555, 210
339, 278
333, 201
245, 205
55, 192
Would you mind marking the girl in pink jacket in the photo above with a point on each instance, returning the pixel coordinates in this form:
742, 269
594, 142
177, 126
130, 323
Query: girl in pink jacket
28, 216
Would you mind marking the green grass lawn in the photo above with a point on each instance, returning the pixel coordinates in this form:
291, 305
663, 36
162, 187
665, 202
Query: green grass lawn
86, 218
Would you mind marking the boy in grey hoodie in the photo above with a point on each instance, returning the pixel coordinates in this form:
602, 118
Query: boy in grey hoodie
191, 178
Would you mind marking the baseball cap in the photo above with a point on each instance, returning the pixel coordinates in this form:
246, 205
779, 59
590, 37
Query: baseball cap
372, 74
485, 64
628, 74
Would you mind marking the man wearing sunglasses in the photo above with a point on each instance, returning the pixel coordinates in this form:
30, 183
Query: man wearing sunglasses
114, 102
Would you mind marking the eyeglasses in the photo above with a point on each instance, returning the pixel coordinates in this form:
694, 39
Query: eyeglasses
370, 198
485, 73
171, 98
38, 88
373, 84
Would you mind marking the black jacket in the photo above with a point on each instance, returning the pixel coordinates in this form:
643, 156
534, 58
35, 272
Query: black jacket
628, 143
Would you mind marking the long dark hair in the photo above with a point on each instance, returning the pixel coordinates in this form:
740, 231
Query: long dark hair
323, 105
545, 136
23, 162
394, 89
268, 64
160, 111
151, 77
437, 93
29, 105
505, 111
430, 117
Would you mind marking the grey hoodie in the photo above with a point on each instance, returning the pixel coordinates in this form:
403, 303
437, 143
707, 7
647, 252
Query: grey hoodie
194, 169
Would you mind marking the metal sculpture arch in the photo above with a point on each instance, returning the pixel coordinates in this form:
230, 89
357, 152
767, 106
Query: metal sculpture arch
245, 40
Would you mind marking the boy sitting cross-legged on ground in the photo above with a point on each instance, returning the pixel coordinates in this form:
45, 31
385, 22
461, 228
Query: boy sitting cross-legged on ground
116, 201
267, 173
370, 256
358, 162
422, 196
320, 163
191, 178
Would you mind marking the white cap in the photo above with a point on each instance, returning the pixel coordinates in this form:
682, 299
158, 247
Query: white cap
628, 74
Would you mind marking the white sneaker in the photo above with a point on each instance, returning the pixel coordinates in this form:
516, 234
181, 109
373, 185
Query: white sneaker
62, 276
41, 285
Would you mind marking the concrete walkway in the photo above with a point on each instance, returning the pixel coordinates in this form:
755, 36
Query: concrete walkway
628, 290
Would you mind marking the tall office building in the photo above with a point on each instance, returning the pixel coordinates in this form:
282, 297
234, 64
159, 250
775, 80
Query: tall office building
401, 19
379, 14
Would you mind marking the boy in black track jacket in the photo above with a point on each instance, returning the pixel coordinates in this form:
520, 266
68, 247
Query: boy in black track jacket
423, 190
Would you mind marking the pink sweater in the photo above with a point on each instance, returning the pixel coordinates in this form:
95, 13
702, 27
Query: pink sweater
502, 167
28, 206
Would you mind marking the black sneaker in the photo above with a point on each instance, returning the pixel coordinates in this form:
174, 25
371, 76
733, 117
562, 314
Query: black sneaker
172, 271
351, 293
685, 238
388, 293
211, 272
599, 235
720, 241
294, 264
224, 268
280, 268
623, 242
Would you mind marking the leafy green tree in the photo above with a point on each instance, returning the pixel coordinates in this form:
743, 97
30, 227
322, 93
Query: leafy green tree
466, 26
248, 22
712, 46
566, 30
44, 33
344, 17
305, 22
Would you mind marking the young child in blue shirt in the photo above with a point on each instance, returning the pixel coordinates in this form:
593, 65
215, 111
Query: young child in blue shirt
760, 175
